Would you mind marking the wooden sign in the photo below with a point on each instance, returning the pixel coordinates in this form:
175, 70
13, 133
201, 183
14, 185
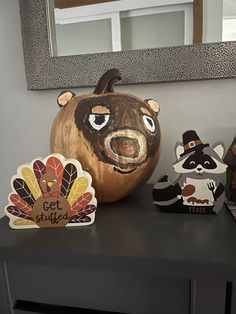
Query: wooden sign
51, 192
198, 189
230, 160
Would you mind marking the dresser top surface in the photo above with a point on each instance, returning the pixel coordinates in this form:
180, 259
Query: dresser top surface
131, 233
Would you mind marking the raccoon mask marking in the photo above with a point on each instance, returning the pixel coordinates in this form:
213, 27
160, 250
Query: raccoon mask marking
201, 162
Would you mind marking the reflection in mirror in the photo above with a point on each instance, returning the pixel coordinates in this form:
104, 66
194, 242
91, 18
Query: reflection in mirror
229, 20
93, 26
121, 25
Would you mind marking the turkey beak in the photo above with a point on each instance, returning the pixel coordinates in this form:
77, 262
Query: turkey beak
49, 183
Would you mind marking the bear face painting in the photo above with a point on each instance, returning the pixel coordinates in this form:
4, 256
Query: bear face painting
121, 129
115, 136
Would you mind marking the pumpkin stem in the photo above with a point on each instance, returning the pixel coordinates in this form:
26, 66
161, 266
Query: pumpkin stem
106, 81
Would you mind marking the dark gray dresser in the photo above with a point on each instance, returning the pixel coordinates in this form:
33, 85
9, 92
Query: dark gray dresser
134, 259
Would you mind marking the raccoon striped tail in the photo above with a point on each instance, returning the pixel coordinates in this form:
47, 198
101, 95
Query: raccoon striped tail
165, 193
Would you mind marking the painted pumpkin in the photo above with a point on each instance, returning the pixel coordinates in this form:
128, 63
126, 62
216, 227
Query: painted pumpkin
115, 136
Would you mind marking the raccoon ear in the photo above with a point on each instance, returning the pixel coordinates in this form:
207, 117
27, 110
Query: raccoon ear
179, 149
219, 149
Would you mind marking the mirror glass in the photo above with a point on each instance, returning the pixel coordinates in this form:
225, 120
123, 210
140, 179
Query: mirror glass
94, 26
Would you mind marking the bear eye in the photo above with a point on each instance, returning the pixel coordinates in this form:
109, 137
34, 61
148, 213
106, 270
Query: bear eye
149, 123
192, 162
98, 121
206, 162
44, 181
55, 181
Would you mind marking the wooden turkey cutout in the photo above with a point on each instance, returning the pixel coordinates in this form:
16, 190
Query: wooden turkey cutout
198, 189
51, 192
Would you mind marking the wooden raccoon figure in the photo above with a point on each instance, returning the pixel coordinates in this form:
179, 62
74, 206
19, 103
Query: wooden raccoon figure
198, 188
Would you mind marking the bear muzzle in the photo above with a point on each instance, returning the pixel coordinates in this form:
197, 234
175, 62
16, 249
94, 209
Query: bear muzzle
126, 147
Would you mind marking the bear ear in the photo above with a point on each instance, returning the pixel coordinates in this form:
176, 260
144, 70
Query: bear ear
153, 105
219, 149
64, 98
179, 149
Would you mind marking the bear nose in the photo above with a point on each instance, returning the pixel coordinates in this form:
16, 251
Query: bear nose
125, 146
199, 168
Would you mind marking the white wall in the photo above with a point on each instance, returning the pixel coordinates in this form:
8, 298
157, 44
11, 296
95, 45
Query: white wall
229, 20
26, 116
152, 31
212, 20
84, 37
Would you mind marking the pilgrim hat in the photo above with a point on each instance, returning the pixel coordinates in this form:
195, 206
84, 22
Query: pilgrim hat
191, 142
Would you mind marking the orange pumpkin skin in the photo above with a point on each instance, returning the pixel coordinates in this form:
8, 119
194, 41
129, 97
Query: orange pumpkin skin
115, 136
